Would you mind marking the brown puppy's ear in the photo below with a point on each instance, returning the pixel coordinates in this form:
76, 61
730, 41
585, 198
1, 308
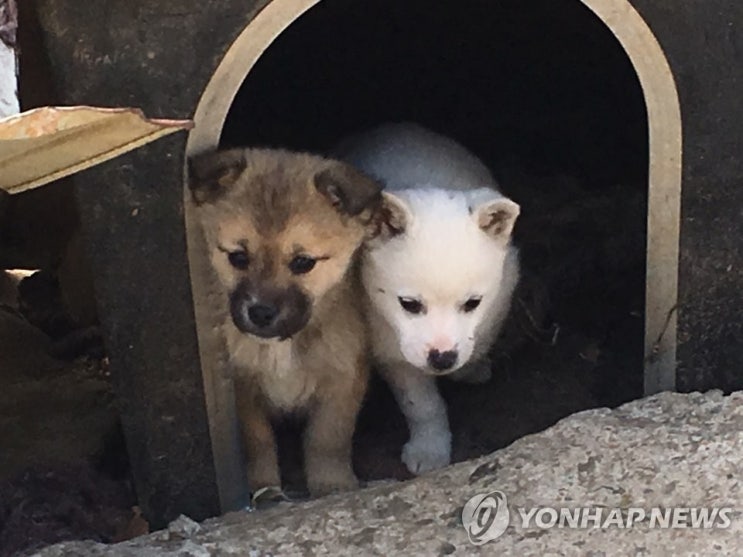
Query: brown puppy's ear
393, 217
210, 174
349, 190
497, 217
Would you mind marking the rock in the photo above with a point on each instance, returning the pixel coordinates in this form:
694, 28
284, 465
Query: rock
670, 450
183, 527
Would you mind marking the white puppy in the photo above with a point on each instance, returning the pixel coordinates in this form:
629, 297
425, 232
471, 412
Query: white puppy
439, 277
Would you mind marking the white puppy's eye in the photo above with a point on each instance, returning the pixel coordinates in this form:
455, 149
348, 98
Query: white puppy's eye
471, 304
411, 305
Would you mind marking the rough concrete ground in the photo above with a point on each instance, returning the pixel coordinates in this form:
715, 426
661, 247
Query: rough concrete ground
670, 450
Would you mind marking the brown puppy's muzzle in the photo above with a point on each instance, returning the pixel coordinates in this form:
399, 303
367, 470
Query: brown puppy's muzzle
271, 314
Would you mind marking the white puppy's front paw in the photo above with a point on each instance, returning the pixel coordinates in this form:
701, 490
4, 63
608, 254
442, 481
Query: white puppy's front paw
425, 453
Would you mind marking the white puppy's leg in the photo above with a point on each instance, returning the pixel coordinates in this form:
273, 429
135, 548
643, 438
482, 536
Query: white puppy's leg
429, 446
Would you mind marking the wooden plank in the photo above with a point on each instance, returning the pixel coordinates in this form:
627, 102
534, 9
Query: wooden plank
45, 144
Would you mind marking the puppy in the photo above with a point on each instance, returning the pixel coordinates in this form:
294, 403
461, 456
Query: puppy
282, 231
439, 276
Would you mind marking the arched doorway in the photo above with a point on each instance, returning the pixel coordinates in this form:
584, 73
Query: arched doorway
238, 107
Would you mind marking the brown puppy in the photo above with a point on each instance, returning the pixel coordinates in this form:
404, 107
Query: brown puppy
282, 230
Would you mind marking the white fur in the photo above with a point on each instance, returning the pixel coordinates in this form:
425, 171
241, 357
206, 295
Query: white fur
443, 258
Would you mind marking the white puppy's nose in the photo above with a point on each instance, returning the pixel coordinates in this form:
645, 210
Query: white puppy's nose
442, 360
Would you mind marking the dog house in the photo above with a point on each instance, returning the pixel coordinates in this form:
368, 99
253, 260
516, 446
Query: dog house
651, 93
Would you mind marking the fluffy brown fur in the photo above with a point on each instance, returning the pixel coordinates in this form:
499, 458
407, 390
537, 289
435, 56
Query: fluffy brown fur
294, 336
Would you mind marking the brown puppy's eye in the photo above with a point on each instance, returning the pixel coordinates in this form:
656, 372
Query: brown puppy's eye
302, 264
471, 304
411, 305
238, 259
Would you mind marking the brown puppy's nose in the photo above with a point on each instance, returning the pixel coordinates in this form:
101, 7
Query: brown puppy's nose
262, 315
442, 360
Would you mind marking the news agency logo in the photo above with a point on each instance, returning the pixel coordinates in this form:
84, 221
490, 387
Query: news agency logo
486, 517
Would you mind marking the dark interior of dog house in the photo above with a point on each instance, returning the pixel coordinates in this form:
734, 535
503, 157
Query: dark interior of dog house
544, 94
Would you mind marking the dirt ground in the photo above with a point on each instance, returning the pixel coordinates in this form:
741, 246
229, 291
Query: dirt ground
61, 469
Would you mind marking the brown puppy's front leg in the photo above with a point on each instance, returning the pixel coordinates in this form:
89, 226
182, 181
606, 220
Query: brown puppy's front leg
258, 436
328, 437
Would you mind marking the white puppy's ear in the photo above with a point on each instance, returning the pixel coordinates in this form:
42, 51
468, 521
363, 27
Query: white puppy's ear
392, 218
496, 216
